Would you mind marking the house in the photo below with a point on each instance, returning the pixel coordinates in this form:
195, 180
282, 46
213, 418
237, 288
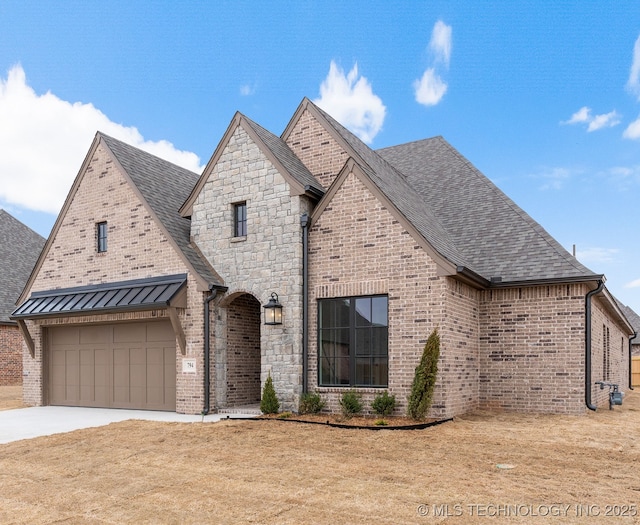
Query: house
19, 249
634, 318
156, 287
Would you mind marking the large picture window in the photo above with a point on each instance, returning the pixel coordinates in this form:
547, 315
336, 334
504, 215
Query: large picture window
353, 338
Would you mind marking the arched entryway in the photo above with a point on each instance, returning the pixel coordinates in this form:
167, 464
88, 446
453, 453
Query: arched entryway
243, 351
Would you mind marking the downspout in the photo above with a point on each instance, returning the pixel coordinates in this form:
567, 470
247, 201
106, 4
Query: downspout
213, 292
305, 222
635, 334
587, 345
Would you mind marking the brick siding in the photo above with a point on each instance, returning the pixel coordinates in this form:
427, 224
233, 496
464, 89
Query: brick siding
137, 248
10, 355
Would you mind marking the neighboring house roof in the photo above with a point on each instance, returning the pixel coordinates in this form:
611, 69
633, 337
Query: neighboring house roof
164, 186
634, 319
20, 247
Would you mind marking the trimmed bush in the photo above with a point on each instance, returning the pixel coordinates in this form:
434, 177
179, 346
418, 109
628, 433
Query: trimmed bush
383, 404
424, 380
269, 403
351, 403
310, 403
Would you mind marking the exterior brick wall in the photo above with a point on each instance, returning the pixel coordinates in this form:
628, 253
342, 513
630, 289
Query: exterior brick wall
604, 329
10, 355
358, 248
532, 349
317, 149
137, 248
268, 259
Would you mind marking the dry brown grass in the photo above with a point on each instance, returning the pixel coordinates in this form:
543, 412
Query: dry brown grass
10, 397
281, 472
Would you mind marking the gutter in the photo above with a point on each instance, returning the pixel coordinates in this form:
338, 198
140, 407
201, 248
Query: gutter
305, 223
635, 334
587, 345
213, 293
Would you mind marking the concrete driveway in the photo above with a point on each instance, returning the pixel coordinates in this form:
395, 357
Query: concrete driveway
27, 423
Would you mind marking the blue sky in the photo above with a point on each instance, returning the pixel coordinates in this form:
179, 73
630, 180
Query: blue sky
543, 97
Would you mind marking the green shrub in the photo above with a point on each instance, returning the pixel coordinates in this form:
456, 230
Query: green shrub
310, 403
351, 403
269, 403
425, 378
383, 404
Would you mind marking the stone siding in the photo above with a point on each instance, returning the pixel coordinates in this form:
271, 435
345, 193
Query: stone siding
268, 259
10, 355
137, 248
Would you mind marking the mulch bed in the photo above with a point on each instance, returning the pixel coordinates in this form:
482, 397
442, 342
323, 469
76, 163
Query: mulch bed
364, 422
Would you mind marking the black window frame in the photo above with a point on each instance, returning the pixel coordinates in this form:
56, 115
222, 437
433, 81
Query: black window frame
353, 350
101, 236
240, 219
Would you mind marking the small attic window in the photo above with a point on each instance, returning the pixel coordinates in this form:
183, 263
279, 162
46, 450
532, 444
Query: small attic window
240, 219
101, 231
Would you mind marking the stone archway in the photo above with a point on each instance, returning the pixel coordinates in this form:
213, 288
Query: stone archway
243, 351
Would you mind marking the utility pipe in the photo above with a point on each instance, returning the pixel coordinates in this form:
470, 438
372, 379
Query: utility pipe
635, 334
213, 292
305, 222
587, 345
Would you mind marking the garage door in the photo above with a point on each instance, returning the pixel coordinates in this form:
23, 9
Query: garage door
128, 365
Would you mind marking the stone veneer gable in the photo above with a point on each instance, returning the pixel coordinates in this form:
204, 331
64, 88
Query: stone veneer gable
268, 259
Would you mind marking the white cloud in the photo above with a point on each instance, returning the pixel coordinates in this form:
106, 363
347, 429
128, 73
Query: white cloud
633, 84
44, 139
247, 90
633, 284
633, 130
351, 101
583, 116
596, 255
606, 120
554, 178
440, 43
430, 88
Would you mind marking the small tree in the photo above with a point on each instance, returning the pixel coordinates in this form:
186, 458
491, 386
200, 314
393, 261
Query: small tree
383, 404
269, 403
425, 378
310, 403
351, 403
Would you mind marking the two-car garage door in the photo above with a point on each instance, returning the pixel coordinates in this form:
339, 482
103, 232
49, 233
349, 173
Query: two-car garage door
126, 365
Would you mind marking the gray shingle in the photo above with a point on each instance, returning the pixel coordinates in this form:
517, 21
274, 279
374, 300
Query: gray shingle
286, 157
497, 237
165, 187
20, 247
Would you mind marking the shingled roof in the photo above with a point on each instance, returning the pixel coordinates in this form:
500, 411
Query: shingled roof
165, 187
461, 213
20, 247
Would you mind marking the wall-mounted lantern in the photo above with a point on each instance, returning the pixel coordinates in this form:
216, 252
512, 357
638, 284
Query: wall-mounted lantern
273, 310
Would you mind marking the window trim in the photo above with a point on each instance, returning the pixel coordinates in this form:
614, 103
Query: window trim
353, 351
101, 237
240, 223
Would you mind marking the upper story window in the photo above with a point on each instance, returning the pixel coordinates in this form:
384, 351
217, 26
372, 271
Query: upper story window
353, 341
240, 219
101, 231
